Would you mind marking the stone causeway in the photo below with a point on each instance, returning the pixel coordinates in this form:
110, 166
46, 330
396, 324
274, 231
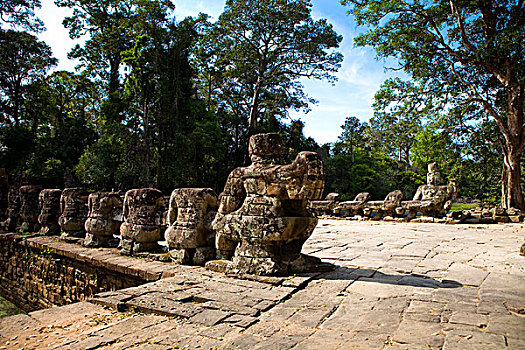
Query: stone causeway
394, 286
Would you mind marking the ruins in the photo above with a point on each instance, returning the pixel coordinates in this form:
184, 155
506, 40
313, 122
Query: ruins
262, 221
49, 202
29, 209
73, 205
356, 206
104, 219
432, 200
142, 226
386, 207
190, 237
12, 213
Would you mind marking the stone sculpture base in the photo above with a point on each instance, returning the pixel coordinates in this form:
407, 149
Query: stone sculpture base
239, 266
261, 253
96, 241
138, 238
99, 233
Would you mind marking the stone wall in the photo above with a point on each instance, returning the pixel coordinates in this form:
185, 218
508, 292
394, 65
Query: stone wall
40, 272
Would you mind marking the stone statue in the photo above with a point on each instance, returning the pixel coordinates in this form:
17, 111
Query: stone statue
49, 202
12, 220
433, 180
386, 207
73, 205
190, 237
142, 221
104, 219
29, 208
356, 206
326, 206
430, 199
262, 221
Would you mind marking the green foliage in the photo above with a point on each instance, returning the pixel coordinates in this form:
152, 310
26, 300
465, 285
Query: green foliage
23, 60
467, 59
259, 50
21, 13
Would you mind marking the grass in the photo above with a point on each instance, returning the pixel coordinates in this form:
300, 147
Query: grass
464, 206
8, 309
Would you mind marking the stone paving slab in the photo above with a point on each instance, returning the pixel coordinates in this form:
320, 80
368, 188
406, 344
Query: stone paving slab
395, 286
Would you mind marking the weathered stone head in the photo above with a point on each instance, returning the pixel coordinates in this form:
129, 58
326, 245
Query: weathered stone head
29, 208
433, 175
262, 221
190, 237
265, 149
104, 218
49, 200
73, 205
142, 220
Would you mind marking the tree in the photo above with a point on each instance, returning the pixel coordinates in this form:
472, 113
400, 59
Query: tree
23, 59
21, 13
470, 52
109, 27
265, 46
352, 135
399, 109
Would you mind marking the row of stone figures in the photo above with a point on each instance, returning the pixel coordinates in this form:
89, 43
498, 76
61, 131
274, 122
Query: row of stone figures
258, 225
431, 199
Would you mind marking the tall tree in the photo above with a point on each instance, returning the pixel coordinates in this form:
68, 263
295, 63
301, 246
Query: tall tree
470, 51
265, 46
107, 24
23, 59
21, 13
399, 110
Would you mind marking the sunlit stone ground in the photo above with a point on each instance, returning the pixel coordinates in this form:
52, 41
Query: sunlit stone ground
396, 285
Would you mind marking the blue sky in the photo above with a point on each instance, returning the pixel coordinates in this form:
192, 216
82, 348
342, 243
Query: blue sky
359, 77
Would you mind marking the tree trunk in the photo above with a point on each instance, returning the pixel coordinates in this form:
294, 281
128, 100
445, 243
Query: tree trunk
512, 196
254, 108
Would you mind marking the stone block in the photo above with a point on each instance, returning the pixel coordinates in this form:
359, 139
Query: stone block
49, 203
73, 205
142, 226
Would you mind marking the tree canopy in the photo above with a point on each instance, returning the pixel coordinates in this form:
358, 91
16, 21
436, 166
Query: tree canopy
265, 46
166, 102
21, 14
466, 55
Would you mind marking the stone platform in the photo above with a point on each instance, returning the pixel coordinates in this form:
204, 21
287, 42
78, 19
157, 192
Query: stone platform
396, 286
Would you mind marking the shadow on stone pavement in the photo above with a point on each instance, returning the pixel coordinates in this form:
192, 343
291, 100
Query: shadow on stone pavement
374, 276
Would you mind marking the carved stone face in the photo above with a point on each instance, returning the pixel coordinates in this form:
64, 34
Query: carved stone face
266, 149
433, 175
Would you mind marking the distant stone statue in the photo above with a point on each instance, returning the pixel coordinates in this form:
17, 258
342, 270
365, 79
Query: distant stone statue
142, 221
49, 202
190, 237
73, 205
104, 219
29, 208
356, 206
386, 207
326, 206
433, 181
12, 220
262, 221
431, 199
